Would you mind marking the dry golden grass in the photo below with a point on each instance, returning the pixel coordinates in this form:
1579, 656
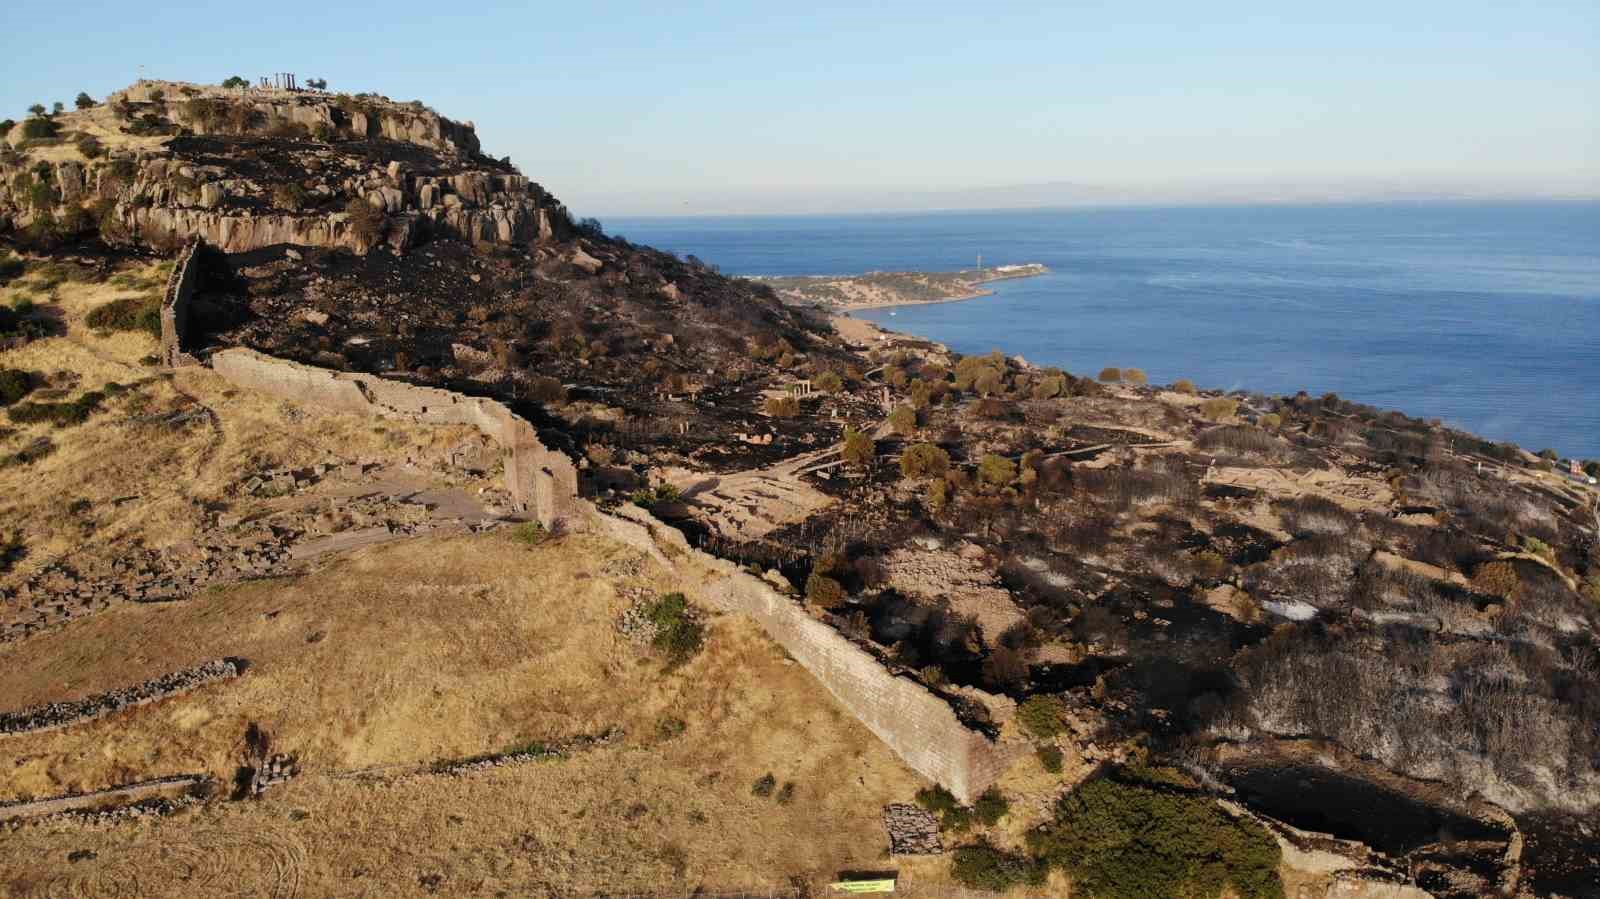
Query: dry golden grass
100, 122
445, 648
169, 471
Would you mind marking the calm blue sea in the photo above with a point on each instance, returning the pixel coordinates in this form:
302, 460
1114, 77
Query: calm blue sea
1487, 316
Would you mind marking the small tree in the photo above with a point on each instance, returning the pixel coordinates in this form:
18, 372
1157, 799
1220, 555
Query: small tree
924, 460
1185, 386
1110, 375
903, 420
37, 110
57, 108
235, 81
84, 101
828, 382
1134, 376
782, 406
858, 448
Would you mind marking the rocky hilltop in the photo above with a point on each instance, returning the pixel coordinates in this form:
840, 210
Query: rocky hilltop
255, 167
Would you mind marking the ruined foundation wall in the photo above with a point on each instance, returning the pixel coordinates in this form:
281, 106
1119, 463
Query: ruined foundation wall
542, 482
78, 802
181, 285
57, 715
919, 726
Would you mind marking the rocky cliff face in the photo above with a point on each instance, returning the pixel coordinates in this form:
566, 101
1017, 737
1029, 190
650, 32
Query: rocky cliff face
162, 162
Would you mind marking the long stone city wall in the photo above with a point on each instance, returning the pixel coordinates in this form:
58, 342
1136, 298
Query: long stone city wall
543, 483
919, 726
57, 715
181, 285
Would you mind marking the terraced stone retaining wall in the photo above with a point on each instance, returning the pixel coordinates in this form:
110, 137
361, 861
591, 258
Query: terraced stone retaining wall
57, 715
543, 483
921, 727
181, 285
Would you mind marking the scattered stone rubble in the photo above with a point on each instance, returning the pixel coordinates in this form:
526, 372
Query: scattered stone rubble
913, 830
238, 546
634, 623
542, 752
62, 714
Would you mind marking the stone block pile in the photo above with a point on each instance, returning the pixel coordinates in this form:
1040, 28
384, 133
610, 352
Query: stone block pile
913, 830
276, 769
55, 715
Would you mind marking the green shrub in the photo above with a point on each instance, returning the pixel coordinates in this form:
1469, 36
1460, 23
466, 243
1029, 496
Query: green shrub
1219, 408
671, 727
1537, 547
953, 816
1591, 588
289, 195
83, 101
991, 806
997, 471
530, 533
11, 268
12, 549
824, 592
1049, 387
61, 415
31, 453
235, 81
678, 634
980, 866
547, 390
38, 128
367, 222
786, 793
764, 785
1050, 758
1128, 841
1042, 716
14, 385
130, 314
659, 495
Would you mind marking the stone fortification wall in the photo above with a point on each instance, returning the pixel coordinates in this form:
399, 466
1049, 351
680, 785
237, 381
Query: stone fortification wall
57, 715
543, 483
181, 285
918, 725
119, 796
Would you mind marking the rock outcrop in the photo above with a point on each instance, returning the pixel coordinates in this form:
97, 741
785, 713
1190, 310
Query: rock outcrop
262, 167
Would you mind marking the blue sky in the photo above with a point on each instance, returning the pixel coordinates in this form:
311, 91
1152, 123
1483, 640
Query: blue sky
638, 108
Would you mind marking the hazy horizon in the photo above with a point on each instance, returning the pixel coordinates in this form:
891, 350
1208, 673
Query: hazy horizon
628, 109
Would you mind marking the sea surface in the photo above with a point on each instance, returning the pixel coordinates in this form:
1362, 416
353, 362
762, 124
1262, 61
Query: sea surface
1484, 315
